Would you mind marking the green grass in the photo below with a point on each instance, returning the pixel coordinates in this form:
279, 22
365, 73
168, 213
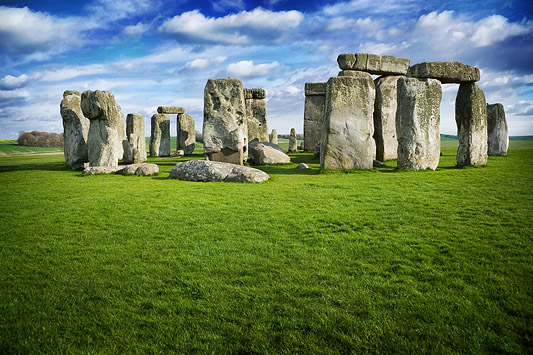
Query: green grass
11, 147
380, 261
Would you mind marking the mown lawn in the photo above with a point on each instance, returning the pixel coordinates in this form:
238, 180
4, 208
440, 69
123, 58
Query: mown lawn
381, 261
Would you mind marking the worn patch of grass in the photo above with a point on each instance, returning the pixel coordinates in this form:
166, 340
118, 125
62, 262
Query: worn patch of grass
309, 262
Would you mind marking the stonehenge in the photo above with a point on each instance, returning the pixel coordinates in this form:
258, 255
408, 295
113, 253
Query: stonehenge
497, 131
274, 137
314, 109
385, 107
160, 135
256, 119
186, 134
135, 149
293, 143
76, 130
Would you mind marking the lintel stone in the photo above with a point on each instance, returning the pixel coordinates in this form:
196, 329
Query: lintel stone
445, 72
170, 109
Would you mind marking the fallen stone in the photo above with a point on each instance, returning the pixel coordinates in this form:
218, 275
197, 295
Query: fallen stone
293, 143
377, 164
471, 119
97, 170
303, 166
160, 135
76, 130
445, 72
385, 117
141, 169
170, 109
417, 123
267, 153
498, 133
347, 141
314, 111
274, 137
179, 153
373, 64
135, 149
186, 140
107, 130
204, 170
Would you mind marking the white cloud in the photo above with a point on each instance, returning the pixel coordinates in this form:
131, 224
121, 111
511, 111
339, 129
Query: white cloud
10, 82
202, 63
14, 94
241, 28
112, 10
246, 68
72, 72
135, 30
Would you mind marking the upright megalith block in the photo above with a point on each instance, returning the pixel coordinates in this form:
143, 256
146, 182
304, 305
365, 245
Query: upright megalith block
385, 108
135, 150
293, 142
274, 137
498, 134
186, 140
314, 111
347, 141
224, 129
471, 119
76, 130
256, 118
160, 135
107, 130
417, 123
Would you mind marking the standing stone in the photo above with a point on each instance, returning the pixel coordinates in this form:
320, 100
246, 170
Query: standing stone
418, 123
314, 110
293, 143
160, 135
347, 141
445, 72
135, 150
76, 130
471, 119
186, 134
224, 129
256, 114
274, 137
385, 117
498, 134
107, 130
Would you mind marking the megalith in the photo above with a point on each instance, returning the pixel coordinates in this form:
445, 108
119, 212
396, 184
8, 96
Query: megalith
256, 118
107, 129
417, 123
274, 137
471, 119
224, 128
498, 133
347, 141
186, 140
76, 130
160, 135
445, 72
385, 117
293, 142
135, 150
314, 110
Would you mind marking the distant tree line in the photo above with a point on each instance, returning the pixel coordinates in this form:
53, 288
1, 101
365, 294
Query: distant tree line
40, 139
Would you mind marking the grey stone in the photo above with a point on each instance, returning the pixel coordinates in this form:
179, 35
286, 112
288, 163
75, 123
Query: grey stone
347, 141
140, 169
224, 129
471, 119
377, 164
258, 94
293, 143
316, 151
385, 117
417, 123
170, 109
274, 137
356, 73
373, 64
107, 130
256, 118
135, 149
303, 166
498, 133
160, 135
97, 170
178, 154
445, 72
76, 130
267, 153
186, 140
204, 170
346, 61
314, 111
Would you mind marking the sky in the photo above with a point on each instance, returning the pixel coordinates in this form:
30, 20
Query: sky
151, 53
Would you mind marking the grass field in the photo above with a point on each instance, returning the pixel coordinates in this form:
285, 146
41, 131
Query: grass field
380, 261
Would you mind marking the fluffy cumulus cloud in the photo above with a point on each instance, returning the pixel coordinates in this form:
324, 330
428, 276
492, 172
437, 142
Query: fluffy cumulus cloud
10, 82
258, 25
136, 30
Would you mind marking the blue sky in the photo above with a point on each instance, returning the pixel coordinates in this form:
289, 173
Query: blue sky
156, 52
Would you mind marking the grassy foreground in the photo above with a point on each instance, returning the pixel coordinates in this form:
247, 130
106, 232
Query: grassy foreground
309, 262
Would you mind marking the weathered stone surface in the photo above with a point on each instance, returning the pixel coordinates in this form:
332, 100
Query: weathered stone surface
356, 73
314, 112
256, 118
445, 72
170, 109
258, 94
377, 164
471, 119
385, 117
97, 170
293, 142
178, 154
316, 151
274, 137
224, 128
498, 133
347, 141
135, 147
373, 64
267, 153
160, 135
204, 170
418, 122
303, 166
186, 140
107, 130
76, 130
141, 169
